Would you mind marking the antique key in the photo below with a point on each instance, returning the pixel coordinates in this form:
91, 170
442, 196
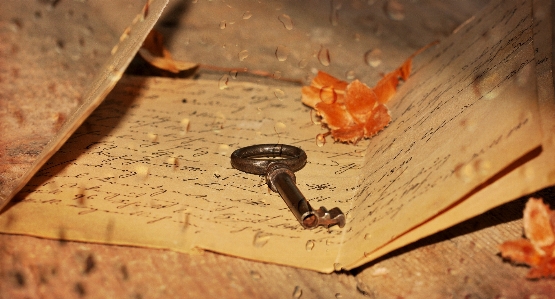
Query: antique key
279, 162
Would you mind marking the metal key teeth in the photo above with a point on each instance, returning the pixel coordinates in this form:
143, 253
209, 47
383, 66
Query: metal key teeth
331, 217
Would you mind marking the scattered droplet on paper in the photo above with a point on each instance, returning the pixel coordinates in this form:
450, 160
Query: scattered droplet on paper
303, 63
223, 149
185, 124
324, 56
282, 52
276, 75
350, 75
142, 171
286, 21
373, 57
395, 10
280, 125
482, 167
464, 172
173, 161
223, 82
260, 239
280, 94
320, 140
367, 236
243, 55
152, 137
247, 15
338, 296
297, 292
223, 24
309, 245
233, 74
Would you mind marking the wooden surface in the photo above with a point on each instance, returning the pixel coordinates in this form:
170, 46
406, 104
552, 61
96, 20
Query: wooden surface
48, 51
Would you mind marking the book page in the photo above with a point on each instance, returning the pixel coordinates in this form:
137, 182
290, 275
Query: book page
519, 179
151, 167
103, 82
474, 113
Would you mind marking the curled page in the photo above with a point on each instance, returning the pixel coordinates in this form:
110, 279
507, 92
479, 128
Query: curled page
122, 53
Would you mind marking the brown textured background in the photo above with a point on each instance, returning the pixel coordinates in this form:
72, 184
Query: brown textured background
50, 49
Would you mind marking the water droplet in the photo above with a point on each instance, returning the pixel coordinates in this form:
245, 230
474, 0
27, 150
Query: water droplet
173, 161
334, 13
185, 124
223, 148
297, 292
350, 75
282, 52
142, 172
223, 24
367, 236
395, 10
320, 140
338, 296
379, 271
357, 37
276, 74
233, 74
280, 125
309, 245
482, 167
247, 15
324, 56
280, 94
303, 63
223, 82
286, 21
243, 55
260, 239
152, 137
255, 275
373, 57
337, 266
464, 172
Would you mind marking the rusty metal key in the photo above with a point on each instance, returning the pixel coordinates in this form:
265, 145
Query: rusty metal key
278, 162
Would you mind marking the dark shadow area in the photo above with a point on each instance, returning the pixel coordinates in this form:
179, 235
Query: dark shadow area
508, 212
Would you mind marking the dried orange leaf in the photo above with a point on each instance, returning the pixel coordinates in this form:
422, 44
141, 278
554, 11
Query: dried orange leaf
354, 111
537, 223
154, 52
538, 251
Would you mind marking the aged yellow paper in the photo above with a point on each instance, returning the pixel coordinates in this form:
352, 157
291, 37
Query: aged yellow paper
532, 173
474, 113
151, 167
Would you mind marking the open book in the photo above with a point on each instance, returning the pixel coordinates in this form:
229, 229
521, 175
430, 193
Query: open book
151, 165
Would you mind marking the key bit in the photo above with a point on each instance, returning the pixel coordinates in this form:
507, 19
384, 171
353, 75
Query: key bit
278, 163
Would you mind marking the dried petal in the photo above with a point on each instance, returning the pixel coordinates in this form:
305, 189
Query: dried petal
537, 224
354, 111
360, 101
324, 79
350, 134
546, 269
376, 121
154, 52
521, 252
334, 115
